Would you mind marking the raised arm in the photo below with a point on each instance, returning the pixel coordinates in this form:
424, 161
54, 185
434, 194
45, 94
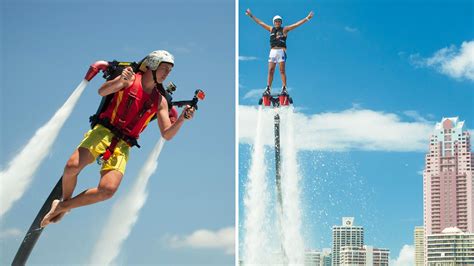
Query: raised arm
299, 23
123, 81
258, 21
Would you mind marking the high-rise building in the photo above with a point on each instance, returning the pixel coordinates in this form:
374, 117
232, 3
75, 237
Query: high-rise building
348, 235
448, 179
366, 255
448, 198
451, 247
419, 245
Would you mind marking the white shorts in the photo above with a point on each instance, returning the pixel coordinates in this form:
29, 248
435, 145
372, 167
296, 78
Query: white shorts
277, 56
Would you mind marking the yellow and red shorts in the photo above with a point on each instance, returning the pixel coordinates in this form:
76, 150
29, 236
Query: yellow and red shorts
97, 140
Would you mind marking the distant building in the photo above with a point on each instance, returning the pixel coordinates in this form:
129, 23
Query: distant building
346, 235
448, 179
451, 247
326, 257
367, 255
312, 258
349, 255
318, 258
448, 185
419, 243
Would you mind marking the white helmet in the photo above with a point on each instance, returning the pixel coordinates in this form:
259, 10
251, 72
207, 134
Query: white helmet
276, 17
155, 58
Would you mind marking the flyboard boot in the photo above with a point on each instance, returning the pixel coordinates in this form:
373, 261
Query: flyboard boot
275, 100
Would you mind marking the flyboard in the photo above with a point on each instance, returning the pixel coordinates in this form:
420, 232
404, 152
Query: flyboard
110, 70
276, 101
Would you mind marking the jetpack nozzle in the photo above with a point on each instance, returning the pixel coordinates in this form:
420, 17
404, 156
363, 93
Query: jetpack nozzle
95, 68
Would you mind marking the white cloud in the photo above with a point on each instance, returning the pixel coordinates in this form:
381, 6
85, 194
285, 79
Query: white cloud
254, 94
203, 238
451, 61
247, 58
11, 232
350, 29
352, 129
406, 257
415, 115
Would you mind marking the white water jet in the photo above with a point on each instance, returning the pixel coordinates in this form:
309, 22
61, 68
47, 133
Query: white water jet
292, 240
272, 235
16, 179
125, 213
256, 201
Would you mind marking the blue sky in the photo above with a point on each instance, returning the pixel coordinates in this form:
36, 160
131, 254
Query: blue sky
379, 73
47, 47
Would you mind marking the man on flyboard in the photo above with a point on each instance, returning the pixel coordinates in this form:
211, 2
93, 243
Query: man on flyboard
278, 35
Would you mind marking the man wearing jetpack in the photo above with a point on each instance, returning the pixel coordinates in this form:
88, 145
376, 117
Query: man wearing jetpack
278, 35
137, 99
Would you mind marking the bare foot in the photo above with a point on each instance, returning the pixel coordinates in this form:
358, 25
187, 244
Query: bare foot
52, 213
58, 217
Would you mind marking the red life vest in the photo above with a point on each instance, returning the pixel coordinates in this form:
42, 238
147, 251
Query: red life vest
131, 109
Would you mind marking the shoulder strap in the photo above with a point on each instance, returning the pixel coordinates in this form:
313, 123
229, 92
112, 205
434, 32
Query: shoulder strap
155, 98
114, 70
124, 106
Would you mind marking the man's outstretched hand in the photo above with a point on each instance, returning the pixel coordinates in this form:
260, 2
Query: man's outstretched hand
248, 12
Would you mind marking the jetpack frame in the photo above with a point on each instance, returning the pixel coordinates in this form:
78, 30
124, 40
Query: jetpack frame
113, 69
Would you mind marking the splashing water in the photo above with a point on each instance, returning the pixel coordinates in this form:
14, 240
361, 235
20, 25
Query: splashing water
125, 213
272, 235
256, 203
16, 179
292, 240
333, 188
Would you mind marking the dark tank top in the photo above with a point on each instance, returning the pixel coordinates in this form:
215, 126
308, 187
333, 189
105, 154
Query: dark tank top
277, 39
